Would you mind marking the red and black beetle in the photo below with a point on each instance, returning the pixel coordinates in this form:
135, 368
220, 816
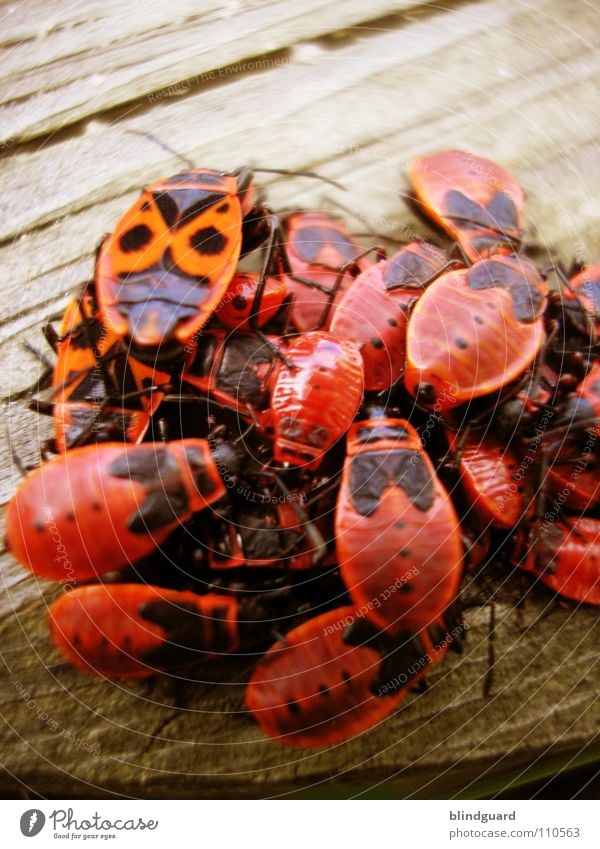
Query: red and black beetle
373, 311
97, 508
167, 265
477, 202
335, 676
397, 534
314, 401
474, 331
138, 630
317, 248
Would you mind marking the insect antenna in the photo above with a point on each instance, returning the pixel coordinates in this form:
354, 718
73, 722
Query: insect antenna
310, 174
164, 145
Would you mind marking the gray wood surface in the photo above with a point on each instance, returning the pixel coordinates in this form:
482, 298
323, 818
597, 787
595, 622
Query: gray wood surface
353, 90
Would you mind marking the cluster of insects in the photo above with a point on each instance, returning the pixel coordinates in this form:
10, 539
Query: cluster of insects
272, 440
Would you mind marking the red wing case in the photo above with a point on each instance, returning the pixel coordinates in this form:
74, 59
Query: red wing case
492, 480
474, 331
163, 271
135, 630
398, 537
317, 245
101, 507
476, 202
567, 558
331, 679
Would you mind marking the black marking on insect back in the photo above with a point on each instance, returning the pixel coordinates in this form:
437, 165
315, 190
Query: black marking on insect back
359, 632
377, 343
197, 463
162, 298
189, 635
81, 336
466, 210
158, 509
90, 389
125, 380
181, 177
199, 177
500, 214
164, 282
527, 299
193, 203
167, 207
145, 466
237, 376
165, 497
135, 238
374, 471
208, 241
365, 435
461, 343
87, 425
406, 269
161, 316
402, 656
502, 211
311, 240
402, 660
293, 707
223, 207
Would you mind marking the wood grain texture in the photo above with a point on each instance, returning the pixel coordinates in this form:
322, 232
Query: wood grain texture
129, 740
338, 88
83, 67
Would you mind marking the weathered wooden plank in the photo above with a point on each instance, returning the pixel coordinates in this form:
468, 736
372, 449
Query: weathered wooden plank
353, 102
543, 702
54, 31
112, 162
516, 84
57, 91
552, 155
